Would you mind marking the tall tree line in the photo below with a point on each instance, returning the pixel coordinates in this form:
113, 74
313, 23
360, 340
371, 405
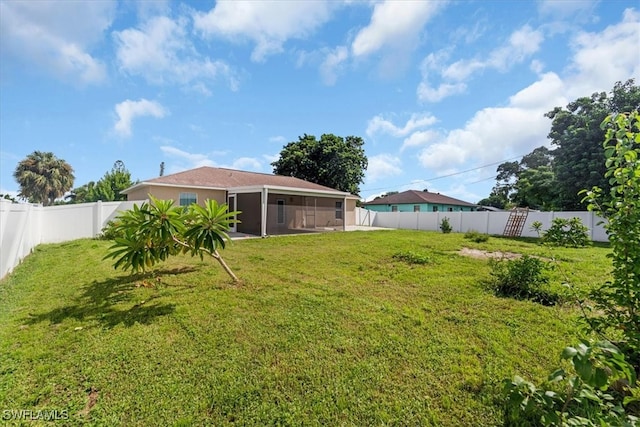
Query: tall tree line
550, 179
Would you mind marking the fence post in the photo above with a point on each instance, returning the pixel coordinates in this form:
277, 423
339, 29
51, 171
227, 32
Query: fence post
97, 218
486, 222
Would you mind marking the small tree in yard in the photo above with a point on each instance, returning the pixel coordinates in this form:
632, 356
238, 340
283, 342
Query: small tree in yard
152, 232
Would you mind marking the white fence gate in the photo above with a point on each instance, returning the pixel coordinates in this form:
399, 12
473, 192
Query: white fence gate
24, 226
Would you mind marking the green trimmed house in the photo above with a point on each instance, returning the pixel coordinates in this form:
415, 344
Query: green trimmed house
418, 201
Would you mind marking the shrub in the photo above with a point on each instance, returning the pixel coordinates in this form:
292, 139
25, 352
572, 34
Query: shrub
589, 395
522, 278
537, 227
476, 236
567, 232
411, 257
110, 231
445, 226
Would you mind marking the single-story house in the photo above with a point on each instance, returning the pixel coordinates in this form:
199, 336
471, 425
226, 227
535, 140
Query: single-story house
268, 204
418, 201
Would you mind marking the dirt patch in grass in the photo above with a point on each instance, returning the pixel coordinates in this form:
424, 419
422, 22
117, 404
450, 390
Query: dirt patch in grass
477, 253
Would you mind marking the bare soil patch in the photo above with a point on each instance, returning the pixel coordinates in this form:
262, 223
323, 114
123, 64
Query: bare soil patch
477, 253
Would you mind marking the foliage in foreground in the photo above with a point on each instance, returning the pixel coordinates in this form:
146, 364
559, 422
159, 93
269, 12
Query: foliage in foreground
152, 232
603, 389
619, 299
593, 394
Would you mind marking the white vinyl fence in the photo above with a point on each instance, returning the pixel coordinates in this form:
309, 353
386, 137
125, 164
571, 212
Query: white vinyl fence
483, 222
24, 226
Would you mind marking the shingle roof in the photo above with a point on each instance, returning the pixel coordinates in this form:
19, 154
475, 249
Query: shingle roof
206, 176
417, 197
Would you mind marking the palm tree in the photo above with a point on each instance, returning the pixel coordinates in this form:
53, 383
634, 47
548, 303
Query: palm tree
43, 177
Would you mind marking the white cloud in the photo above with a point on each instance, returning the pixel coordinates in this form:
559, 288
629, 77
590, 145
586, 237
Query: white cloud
601, 59
394, 25
383, 166
494, 134
188, 160
566, 8
379, 124
160, 51
332, 64
497, 133
444, 90
193, 160
247, 164
522, 44
128, 110
419, 138
268, 24
40, 33
270, 158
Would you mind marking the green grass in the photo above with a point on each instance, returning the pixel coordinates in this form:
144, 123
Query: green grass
325, 329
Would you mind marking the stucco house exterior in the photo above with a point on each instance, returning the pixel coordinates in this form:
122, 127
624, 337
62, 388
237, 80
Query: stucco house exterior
418, 201
269, 204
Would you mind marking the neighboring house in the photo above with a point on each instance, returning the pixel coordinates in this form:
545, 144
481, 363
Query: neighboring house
269, 204
418, 201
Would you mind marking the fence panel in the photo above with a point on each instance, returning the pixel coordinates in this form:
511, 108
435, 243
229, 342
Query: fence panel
484, 222
24, 226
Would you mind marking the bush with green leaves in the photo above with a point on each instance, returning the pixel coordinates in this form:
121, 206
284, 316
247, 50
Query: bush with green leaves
476, 236
109, 231
445, 225
152, 232
567, 232
593, 393
522, 278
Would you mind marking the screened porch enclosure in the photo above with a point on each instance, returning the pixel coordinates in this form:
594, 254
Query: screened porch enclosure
288, 213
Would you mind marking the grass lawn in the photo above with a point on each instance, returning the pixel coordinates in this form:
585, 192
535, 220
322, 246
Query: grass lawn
326, 329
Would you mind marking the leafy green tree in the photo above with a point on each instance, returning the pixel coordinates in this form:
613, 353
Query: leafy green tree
107, 189
575, 130
152, 232
536, 188
332, 161
43, 177
535, 169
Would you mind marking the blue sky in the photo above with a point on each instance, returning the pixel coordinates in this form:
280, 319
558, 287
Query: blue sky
442, 92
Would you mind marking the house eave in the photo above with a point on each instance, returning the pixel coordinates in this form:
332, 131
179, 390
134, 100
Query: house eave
291, 191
